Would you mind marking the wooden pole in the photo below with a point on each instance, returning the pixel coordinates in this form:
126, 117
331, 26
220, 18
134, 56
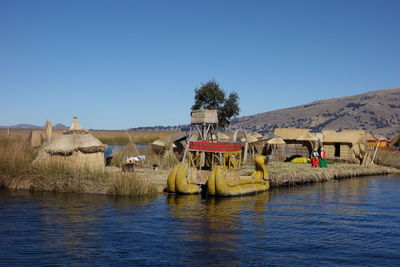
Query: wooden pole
376, 149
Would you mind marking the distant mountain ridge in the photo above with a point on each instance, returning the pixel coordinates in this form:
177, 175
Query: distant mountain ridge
58, 126
25, 126
376, 111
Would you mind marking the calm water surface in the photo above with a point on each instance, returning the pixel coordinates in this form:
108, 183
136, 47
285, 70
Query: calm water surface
349, 222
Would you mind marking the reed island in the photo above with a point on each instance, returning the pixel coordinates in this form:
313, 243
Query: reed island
73, 160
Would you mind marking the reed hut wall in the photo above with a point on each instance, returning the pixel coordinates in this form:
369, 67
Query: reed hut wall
339, 145
339, 151
300, 148
290, 149
76, 160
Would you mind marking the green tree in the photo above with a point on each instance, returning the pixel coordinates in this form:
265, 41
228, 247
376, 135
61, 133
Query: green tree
211, 96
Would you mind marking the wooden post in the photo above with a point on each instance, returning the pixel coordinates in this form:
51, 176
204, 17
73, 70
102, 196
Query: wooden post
376, 149
49, 130
246, 147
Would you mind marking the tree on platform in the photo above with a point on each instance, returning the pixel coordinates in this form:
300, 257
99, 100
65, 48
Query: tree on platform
211, 96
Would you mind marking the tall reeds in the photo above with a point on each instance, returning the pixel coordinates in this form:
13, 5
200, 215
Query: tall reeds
286, 174
17, 172
123, 137
388, 158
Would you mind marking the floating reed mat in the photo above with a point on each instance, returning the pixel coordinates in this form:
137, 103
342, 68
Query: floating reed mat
286, 174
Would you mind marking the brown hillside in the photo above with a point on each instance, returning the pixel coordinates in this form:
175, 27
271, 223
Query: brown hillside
377, 111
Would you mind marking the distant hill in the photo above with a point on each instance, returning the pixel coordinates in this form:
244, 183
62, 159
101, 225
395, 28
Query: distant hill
377, 111
25, 126
161, 128
60, 126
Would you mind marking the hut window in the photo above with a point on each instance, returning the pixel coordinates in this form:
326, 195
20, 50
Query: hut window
337, 149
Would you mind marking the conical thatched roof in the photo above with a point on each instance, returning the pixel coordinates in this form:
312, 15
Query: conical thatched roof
75, 139
75, 128
256, 135
249, 139
276, 141
164, 142
268, 136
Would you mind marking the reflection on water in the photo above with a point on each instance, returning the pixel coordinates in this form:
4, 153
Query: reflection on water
213, 224
353, 221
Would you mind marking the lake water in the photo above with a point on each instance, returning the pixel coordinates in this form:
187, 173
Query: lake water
110, 148
348, 222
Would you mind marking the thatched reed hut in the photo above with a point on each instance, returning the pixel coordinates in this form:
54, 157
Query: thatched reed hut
299, 142
254, 142
75, 148
345, 145
162, 145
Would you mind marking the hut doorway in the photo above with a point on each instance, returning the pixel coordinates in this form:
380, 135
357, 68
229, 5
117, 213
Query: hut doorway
337, 150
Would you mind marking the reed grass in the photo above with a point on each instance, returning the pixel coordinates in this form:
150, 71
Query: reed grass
110, 137
388, 158
16, 172
113, 137
288, 174
164, 161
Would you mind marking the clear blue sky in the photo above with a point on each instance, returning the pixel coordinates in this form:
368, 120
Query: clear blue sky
122, 64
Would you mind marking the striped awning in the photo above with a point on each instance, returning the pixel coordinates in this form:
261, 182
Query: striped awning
214, 147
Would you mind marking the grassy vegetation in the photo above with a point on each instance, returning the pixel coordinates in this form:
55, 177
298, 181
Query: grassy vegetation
287, 174
122, 138
164, 161
388, 158
16, 172
110, 137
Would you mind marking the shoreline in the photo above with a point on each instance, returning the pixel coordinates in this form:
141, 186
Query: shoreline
281, 175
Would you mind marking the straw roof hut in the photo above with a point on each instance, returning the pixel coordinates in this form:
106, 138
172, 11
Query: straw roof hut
249, 139
75, 148
275, 141
162, 145
271, 145
346, 144
163, 142
299, 142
